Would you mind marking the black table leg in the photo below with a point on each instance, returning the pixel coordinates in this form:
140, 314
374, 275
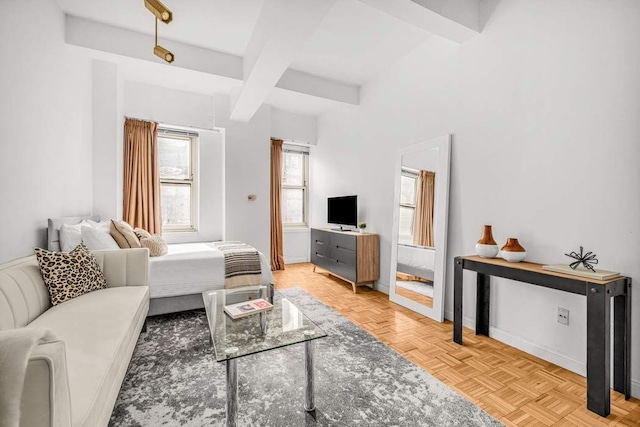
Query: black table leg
483, 299
457, 301
598, 350
622, 341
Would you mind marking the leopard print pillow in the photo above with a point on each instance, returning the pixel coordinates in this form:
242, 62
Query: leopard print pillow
68, 275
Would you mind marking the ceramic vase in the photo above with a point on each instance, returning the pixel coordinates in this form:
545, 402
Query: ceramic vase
486, 246
512, 251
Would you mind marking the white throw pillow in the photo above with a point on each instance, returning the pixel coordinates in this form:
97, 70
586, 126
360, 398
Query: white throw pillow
97, 238
102, 225
70, 236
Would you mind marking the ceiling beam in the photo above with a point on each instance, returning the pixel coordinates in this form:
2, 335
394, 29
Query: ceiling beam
457, 21
107, 41
282, 30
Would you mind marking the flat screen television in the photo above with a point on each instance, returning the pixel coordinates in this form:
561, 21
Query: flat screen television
342, 210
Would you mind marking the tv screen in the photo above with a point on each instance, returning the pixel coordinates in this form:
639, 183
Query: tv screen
342, 210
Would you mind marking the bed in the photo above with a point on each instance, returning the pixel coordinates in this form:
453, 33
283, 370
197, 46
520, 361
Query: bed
177, 279
416, 261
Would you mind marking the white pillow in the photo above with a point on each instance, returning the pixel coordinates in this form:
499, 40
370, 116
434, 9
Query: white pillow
97, 239
102, 225
70, 236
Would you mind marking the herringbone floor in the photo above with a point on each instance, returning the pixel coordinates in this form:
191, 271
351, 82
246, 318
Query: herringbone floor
515, 387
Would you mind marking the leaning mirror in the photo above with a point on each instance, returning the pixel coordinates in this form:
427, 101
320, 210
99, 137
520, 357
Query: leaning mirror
421, 202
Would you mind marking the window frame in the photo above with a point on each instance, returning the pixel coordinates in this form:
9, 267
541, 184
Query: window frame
192, 181
304, 187
410, 174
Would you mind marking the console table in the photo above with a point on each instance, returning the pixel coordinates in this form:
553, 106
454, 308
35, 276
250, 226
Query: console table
598, 293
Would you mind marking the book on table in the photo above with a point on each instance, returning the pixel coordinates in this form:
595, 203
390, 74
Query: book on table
582, 272
247, 308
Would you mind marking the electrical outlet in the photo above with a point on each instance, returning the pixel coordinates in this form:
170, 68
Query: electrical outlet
563, 316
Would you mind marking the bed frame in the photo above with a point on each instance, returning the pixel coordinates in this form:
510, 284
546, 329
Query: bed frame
156, 305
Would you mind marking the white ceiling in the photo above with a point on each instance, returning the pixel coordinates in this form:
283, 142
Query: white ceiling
354, 43
222, 25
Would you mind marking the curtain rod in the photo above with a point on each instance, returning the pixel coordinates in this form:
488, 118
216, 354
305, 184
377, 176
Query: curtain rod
174, 125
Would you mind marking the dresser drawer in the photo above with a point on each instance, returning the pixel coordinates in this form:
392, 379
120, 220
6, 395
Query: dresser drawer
344, 270
345, 241
322, 261
344, 255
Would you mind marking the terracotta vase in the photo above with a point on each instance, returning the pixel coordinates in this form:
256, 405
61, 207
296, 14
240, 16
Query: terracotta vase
486, 246
512, 251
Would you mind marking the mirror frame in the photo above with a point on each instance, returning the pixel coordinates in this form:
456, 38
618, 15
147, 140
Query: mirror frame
441, 212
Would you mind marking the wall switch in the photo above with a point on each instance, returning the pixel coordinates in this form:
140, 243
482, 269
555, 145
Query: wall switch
563, 316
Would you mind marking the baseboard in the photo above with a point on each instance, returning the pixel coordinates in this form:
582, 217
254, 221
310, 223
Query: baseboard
295, 260
382, 288
527, 346
538, 351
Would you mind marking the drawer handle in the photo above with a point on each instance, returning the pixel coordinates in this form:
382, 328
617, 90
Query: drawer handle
319, 255
319, 242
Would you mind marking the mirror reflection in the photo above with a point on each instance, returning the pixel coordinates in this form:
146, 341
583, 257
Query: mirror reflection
416, 230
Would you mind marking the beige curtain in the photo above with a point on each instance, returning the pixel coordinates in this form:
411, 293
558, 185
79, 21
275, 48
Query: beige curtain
277, 250
141, 176
423, 220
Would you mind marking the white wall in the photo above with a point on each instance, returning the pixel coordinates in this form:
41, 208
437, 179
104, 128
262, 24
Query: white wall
107, 139
168, 106
292, 126
543, 107
45, 117
296, 244
247, 172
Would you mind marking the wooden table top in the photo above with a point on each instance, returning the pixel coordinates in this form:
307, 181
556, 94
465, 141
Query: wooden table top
536, 268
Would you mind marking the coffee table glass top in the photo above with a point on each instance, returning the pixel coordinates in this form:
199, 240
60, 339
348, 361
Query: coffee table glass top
282, 325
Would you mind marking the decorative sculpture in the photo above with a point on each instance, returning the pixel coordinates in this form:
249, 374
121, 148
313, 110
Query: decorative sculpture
585, 259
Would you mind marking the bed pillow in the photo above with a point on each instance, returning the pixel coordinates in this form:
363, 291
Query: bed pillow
142, 233
70, 236
69, 275
155, 244
124, 235
96, 239
102, 225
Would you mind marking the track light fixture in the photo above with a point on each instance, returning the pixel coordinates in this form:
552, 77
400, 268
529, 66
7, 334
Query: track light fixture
159, 10
163, 53
158, 50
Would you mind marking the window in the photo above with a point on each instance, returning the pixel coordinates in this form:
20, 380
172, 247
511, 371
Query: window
178, 158
408, 182
295, 185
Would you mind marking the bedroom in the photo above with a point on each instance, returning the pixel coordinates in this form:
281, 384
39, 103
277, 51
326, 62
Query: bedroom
541, 104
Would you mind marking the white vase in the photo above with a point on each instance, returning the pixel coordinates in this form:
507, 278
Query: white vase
486, 246
361, 230
487, 251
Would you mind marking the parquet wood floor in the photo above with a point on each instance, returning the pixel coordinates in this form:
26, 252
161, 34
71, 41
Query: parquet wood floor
515, 387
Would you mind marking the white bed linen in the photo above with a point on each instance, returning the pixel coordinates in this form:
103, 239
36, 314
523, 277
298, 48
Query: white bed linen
418, 258
191, 268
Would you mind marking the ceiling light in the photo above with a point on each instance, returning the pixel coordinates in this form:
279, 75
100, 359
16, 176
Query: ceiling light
163, 53
160, 51
159, 10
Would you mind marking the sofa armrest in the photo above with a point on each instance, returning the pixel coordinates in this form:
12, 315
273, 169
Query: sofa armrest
124, 267
45, 398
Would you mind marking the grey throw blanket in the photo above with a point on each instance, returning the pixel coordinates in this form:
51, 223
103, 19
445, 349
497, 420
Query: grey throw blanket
241, 264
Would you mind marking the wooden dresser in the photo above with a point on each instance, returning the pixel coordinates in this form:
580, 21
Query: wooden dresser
351, 256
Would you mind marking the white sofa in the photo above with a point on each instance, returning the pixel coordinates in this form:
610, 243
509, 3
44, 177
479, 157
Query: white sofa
75, 381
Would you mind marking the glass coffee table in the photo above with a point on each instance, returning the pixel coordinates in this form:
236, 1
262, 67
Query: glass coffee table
280, 326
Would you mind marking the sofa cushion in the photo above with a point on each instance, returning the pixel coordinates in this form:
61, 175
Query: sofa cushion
99, 330
70, 274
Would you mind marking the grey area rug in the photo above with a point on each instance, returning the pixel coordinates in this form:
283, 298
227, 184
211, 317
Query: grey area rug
173, 379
